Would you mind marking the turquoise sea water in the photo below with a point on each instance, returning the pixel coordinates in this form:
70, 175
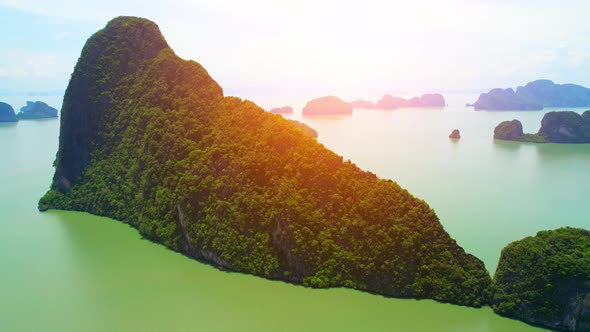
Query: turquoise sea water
69, 271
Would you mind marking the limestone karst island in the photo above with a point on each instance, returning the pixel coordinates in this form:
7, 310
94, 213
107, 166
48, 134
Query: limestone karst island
295, 166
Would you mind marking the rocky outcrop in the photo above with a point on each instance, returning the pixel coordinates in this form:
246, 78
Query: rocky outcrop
556, 127
282, 110
534, 96
509, 131
566, 127
545, 280
36, 110
455, 134
389, 102
309, 131
361, 103
328, 105
7, 113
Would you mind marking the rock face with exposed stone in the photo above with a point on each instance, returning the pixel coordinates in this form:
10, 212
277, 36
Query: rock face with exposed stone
509, 130
566, 127
545, 280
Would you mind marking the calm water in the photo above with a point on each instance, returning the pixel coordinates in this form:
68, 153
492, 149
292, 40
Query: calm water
66, 271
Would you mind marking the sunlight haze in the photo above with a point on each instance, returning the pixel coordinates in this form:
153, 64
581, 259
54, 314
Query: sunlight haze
332, 46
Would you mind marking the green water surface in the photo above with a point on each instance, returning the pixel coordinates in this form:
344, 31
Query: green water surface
69, 271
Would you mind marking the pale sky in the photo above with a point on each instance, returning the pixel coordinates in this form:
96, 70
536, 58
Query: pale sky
312, 44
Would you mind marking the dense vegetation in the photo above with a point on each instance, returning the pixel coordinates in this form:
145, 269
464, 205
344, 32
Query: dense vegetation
148, 138
545, 279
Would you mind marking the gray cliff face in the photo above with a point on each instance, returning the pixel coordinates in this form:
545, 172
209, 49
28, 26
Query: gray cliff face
509, 131
84, 107
566, 127
545, 280
576, 302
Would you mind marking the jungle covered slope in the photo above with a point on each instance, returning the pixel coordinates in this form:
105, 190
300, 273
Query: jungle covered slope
545, 280
149, 139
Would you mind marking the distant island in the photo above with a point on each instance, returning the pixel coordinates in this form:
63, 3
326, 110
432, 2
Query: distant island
534, 96
223, 181
36, 110
329, 105
309, 131
7, 113
545, 280
31, 111
564, 127
361, 103
389, 102
282, 110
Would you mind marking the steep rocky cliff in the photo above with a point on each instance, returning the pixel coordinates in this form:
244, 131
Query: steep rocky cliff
545, 280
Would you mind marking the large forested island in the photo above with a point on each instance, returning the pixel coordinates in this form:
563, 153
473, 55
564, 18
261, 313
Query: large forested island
545, 280
149, 139
534, 96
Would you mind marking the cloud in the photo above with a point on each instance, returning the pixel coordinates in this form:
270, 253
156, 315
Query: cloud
23, 65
